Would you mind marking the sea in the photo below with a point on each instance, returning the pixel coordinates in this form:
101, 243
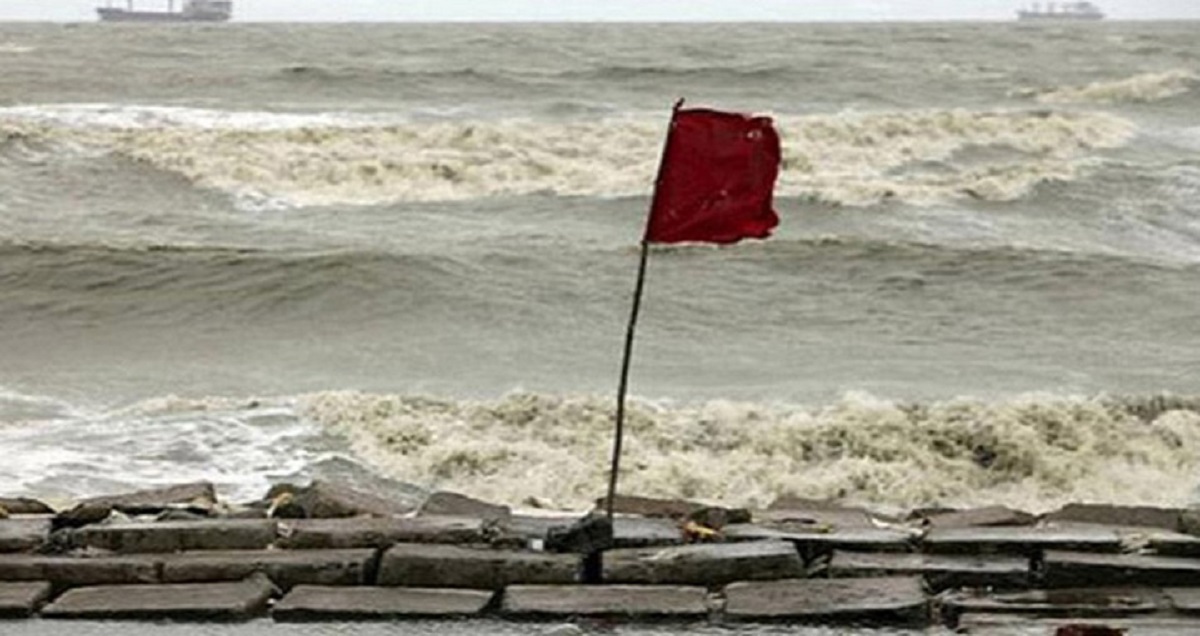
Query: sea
402, 256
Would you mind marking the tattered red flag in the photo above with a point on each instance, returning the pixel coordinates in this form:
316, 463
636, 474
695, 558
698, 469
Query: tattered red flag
717, 179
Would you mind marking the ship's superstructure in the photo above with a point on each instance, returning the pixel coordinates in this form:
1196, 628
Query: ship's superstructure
189, 11
1054, 11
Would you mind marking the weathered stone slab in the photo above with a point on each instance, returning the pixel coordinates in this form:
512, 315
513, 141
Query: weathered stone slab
310, 603
979, 517
21, 600
704, 564
418, 565
1089, 602
199, 495
1082, 569
589, 535
1145, 516
78, 571
324, 500
456, 505
311, 534
812, 541
178, 536
23, 535
819, 519
613, 601
1021, 540
201, 601
1006, 624
676, 509
25, 506
886, 599
1166, 543
1184, 599
940, 571
628, 532
285, 568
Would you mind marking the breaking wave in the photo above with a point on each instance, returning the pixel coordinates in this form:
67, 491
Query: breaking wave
857, 159
1144, 88
1034, 452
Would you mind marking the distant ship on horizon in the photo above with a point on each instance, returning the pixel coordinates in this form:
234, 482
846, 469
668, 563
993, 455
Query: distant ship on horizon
190, 11
1061, 11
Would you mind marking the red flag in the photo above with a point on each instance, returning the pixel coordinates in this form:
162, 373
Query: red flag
717, 179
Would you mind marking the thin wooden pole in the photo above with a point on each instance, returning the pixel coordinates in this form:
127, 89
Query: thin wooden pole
624, 385
633, 316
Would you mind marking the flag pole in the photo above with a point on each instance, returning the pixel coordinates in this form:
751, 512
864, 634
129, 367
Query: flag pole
629, 332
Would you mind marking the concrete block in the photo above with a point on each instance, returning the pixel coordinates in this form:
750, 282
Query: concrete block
23, 534
1091, 602
311, 603
816, 540
628, 532
178, 536
311, 534
703, 564
1027, 541
899, 600
79, 571
285, 568
452, 504
1104, 514
1010, 624
200, 601
199, 495
21, 600
979, 517
25, 506
1184, 599
1166, 543
325, 500
613, 601
940, 571
1082, 569
417, 565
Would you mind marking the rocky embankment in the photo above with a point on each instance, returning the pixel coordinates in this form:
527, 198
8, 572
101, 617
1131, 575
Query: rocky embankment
326, 552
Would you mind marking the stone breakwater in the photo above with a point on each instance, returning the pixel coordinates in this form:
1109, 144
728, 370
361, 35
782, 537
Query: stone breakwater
326, 552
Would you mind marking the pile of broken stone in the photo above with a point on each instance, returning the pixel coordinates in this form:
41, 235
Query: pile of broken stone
329, 552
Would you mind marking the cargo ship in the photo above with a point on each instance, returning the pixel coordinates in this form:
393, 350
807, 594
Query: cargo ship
1061, 12
189, 11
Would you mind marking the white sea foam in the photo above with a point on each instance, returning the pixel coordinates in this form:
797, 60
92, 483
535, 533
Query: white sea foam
9, 48
1034, 452
847, 158
1144, 88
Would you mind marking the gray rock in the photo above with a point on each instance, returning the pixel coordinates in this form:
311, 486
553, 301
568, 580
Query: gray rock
200, 496
23, 534
1082, 569
979, 517
940, 571
815, 541
82, 515
457, 505
1027, 541
24, 506
706, 564
416, 565
900, 600
77, 571
613, 601
310, 603
201, 601
592, 533
324, 500
21, 600
1145, 516
286, 568
1095, 602
178, 536
311, 534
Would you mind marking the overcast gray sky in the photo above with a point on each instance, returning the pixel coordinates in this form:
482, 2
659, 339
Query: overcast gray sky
614, 10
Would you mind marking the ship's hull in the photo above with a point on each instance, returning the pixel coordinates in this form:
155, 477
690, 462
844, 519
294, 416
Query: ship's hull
123, 15
1028, 16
